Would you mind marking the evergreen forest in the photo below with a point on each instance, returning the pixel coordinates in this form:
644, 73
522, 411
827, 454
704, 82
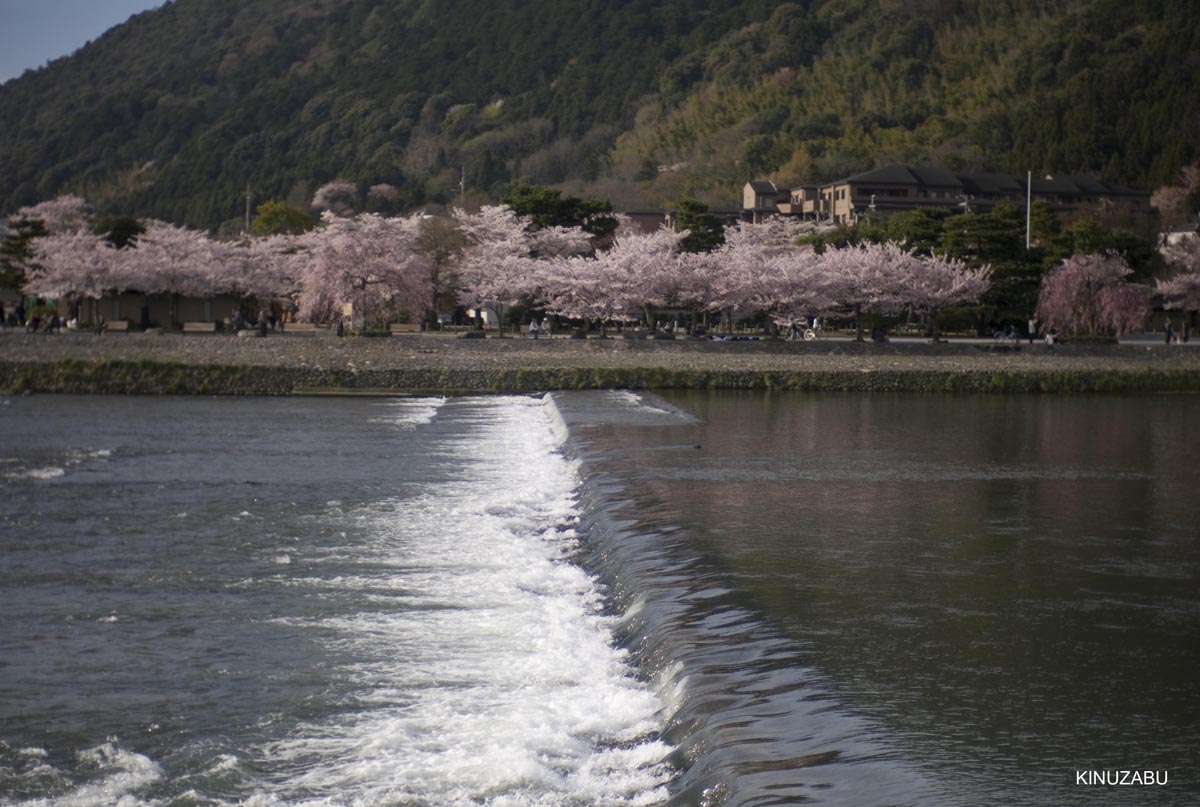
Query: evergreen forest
175, 113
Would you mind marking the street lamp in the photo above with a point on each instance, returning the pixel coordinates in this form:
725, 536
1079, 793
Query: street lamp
249, 198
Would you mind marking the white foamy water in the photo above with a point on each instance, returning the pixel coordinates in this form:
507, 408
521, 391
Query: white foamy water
630, 398
408, 413
498, 682
119, 774
18, 468
391, 616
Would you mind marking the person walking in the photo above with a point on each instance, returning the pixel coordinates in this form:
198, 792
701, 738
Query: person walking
1170, 332
1032, 326
533, 328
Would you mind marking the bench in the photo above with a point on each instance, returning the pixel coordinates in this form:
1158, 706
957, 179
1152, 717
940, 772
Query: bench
117, 326
407, 327
199, 327
300, 328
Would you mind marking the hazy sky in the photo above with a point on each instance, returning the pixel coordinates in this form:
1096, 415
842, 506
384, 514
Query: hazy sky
32, 32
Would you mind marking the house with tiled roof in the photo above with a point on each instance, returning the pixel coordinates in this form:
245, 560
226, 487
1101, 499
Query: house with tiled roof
762, 198
898, 188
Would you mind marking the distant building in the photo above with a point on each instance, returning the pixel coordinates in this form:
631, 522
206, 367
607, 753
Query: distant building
647, 221
899, 188
1178, 235
761, 199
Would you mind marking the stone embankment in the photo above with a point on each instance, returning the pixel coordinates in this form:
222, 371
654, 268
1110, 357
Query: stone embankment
421, 364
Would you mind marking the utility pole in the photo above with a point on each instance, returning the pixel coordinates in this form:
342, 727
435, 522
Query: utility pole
249, 197
1028, 205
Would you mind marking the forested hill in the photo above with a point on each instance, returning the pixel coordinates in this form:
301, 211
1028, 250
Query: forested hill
640, 101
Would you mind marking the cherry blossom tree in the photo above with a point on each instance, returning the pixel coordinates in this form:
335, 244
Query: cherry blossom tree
867, 278
1182, 292
699, 281
639, 269
579, 288
337, 197
369, 261
500, 260
493, 269
929, 284
74, 266
761, 269
788, 286
63, 214
266, 268
175, 261
1177, 203
1089, 295
644, 269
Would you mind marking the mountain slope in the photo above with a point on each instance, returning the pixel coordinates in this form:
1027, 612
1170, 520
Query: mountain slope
1088, 86
173, 113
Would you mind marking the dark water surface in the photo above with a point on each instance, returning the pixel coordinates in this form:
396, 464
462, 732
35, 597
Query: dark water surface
598, 598
922, 599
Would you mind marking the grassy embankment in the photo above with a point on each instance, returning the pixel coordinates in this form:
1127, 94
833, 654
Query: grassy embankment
157, 377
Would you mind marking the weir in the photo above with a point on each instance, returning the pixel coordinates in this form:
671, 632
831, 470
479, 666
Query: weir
751, 720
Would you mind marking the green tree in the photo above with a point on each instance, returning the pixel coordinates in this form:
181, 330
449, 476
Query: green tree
118, 230
16, 251
761, 154
705, 230
1046, 231
993, 237
546, 207
920, 229
1086, 237
276, 217
997, 239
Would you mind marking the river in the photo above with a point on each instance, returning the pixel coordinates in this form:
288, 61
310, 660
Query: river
599, 598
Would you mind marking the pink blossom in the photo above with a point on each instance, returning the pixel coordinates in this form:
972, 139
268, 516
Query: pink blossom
63, 214
638, 269
1182, 292
504, 260
167, 259
868, 278
368, 261
932, 283
72, 265
1089, 295
336, 197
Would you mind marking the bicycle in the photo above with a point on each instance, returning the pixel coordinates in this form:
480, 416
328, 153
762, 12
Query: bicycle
1010, 335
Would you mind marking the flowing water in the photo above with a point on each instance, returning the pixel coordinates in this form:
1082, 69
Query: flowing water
597, 599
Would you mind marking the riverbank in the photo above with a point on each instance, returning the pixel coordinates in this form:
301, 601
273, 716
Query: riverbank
422, 364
